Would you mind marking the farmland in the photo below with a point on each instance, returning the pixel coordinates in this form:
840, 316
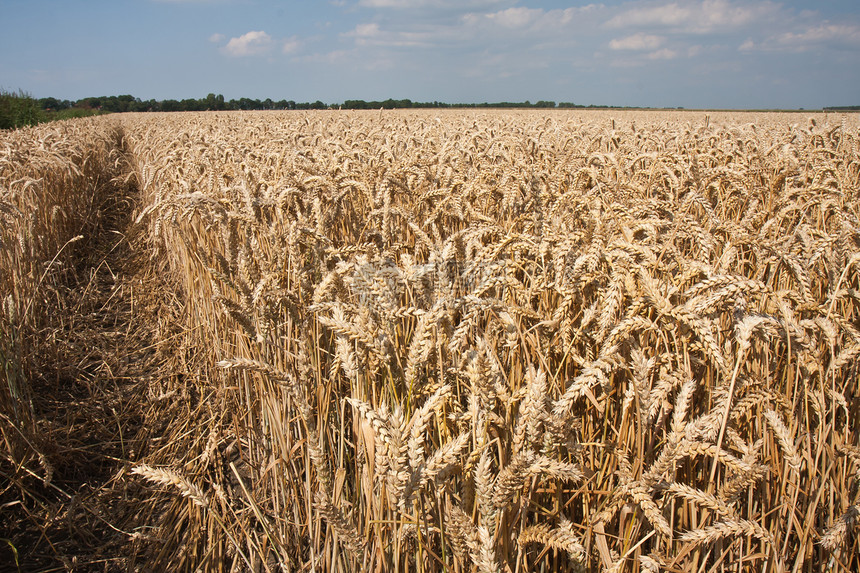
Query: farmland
432, 340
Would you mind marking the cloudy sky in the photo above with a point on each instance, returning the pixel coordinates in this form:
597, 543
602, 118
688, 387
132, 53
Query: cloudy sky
661, 53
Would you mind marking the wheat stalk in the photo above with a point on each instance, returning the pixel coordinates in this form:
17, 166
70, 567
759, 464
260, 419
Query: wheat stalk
172, 479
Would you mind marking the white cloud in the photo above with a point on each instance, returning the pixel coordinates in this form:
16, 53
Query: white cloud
217, 38
638, 41
385, 3
515, 17
823, 33
473, 26
667, 15
251, 44
645, 52
372, 34
697, 16
717, 14
534, 20
489, 43
817, 36
664, 54
370, 30
434, 4
291, 45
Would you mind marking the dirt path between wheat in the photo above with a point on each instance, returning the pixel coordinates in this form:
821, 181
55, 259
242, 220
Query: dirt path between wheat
97, 382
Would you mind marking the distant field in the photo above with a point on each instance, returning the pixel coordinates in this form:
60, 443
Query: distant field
432, 340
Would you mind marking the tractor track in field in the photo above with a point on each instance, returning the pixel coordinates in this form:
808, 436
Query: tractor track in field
91, 392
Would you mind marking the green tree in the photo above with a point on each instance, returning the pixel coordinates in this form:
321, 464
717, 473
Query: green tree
214, 102
18, 109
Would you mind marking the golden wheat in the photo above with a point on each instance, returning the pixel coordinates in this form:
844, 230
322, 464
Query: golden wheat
428, 340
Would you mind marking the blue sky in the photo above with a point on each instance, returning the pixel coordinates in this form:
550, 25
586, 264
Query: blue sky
662, 53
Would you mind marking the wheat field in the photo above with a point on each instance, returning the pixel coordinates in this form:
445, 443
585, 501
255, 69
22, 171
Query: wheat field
435, 340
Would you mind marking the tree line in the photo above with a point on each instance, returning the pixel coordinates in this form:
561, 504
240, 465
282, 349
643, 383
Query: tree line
213, 102
18, 109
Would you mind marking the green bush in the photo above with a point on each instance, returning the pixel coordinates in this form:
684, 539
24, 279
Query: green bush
18, 109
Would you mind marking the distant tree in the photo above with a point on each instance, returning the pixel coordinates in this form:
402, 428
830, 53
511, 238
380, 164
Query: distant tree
50, 103
149, 105
125, 102
245, 103
355, 104
214, 102
89, 103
